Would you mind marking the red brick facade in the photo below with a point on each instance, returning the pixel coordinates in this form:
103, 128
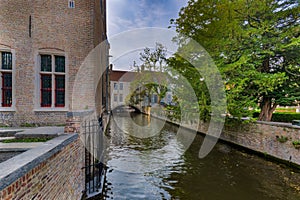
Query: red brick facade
31, 28
61, 176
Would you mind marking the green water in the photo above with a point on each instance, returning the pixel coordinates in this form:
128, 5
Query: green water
158, 167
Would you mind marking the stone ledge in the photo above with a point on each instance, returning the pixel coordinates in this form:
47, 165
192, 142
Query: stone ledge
8, 133
18, 166
41, 132
80, 113
279, 124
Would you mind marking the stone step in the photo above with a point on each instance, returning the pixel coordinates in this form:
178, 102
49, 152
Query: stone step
21, 146
9, 133
6, 138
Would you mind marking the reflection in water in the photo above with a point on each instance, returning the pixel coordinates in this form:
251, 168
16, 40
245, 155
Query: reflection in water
157, 167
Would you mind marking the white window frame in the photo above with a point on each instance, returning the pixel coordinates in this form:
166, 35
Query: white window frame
121, 84
71, 4
37, 103
116, 86
13, 72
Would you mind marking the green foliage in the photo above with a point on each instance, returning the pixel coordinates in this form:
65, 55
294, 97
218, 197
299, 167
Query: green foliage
173, 112
296, 144
18, 140
255, 45
151, 78
286, 117
286, 110
282, 139
28, 125
186, 73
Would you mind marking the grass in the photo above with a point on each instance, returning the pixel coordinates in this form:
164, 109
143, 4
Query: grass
17, 140
33, 125
286, 110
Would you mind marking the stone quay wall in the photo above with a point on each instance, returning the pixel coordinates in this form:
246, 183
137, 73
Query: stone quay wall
272, 139
263, 138
52, 171
266, 138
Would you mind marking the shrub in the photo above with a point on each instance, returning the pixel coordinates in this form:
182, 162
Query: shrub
285, 117
282, 117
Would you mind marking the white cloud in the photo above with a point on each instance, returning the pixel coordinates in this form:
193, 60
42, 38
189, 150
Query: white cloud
125, 15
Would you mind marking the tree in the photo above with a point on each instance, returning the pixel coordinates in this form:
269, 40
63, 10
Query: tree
253, 43
150, 59
180, 68
151, 77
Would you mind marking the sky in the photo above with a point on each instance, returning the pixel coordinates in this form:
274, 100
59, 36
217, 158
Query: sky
123, 15
126, 15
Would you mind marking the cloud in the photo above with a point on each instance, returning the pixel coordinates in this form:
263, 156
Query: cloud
127, 14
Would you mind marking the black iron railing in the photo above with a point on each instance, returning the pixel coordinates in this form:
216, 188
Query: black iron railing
94, 156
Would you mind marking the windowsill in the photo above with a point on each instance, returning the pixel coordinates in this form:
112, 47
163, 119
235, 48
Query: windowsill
7, 109
48, 109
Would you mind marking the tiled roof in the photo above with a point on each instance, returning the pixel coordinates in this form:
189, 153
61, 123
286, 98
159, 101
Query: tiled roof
123, 76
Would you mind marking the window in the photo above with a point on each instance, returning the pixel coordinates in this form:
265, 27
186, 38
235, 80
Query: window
121, 86
71, 4
6, 75
115, 97
52, 81
121, 98
115, 86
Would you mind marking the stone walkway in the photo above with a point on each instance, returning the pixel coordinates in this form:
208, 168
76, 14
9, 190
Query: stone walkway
40, 132
18, 146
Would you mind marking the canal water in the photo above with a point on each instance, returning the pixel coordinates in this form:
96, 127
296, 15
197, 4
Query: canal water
159, 167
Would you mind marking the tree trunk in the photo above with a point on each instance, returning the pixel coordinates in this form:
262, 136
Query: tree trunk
267, 109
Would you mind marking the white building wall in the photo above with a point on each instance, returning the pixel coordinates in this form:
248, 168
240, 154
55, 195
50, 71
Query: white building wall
119, 95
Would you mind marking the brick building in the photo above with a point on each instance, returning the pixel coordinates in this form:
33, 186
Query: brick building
43, 44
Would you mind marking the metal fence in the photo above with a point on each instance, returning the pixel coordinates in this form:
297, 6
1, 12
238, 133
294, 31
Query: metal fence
95, 170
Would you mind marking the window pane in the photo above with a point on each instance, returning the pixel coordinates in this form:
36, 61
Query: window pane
115, 86
71, 4
121, 98
115, 97
46, 64
46, 87
6, 89
6, 60
121, 86
59, 63
59, 91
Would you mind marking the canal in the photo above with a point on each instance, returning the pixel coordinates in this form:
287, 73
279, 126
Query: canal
158, 167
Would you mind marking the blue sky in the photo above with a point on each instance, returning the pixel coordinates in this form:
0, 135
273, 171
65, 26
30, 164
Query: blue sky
128, 14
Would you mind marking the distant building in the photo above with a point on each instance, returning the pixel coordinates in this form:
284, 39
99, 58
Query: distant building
42, 45
120, 86
120, 91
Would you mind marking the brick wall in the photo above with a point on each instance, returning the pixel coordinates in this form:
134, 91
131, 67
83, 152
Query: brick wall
55, 28
55, 174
